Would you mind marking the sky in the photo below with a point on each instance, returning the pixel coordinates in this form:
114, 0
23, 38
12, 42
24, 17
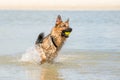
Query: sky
60, 4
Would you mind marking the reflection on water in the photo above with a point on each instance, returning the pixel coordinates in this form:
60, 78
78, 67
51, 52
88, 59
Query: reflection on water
43, 72
50, 73
69, 66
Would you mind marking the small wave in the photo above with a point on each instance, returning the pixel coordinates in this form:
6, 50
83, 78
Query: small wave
31, 55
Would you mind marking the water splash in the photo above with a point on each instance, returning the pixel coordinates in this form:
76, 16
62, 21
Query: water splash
31, 55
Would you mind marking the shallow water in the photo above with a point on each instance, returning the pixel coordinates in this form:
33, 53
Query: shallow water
92, 30
68, 66
92, 52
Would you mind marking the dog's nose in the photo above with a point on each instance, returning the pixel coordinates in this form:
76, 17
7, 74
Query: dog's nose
70, 29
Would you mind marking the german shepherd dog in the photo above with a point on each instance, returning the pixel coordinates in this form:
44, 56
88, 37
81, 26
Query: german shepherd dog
49, 46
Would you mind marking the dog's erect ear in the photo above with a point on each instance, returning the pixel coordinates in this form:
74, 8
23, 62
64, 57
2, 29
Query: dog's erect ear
58, 20
67, 20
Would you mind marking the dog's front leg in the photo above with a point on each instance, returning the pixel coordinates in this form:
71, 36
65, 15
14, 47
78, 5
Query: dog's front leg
51, 58
43, 56
43, 59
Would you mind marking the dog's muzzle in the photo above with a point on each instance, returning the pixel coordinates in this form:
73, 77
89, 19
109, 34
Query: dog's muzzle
66, 32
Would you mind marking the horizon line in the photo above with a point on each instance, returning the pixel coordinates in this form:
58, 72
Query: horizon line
115, 7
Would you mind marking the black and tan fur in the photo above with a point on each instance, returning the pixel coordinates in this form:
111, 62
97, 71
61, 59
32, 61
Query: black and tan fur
49, 46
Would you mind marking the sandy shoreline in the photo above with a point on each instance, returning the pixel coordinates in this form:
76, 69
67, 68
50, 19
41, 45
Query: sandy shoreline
59, 7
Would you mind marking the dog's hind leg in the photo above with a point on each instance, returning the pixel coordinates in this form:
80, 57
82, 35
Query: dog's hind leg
40, 38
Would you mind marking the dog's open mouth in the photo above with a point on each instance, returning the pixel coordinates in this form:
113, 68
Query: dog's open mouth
66, 32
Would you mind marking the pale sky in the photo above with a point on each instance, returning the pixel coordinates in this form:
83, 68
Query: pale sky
60, 4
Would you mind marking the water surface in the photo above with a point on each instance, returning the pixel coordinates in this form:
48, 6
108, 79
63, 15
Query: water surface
92, 51
68, 66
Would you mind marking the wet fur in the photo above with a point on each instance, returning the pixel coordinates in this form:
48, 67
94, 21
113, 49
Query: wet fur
49, 46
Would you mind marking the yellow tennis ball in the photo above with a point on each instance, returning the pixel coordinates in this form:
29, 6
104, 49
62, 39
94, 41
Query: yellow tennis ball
67, 33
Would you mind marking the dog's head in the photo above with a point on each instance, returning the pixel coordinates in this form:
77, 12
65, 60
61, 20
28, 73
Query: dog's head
62, 28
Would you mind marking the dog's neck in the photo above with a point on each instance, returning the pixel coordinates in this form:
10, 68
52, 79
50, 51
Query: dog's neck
58, 41
53, 41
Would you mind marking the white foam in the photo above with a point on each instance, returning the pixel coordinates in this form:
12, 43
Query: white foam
31, 55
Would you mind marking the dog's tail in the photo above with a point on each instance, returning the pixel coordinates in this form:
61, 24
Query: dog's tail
40, 38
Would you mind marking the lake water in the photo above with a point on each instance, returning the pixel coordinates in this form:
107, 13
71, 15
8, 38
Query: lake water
92, 52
